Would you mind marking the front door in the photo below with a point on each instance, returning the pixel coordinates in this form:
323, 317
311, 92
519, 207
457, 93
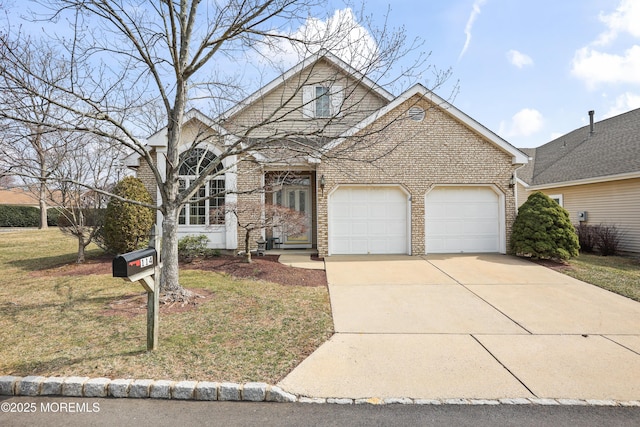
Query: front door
295, 197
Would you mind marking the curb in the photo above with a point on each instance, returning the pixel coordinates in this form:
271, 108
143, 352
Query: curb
226, 391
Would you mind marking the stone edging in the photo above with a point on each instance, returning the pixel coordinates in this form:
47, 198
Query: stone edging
226, 391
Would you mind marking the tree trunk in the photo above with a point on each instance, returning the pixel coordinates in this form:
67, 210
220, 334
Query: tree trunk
247, 249
81, 246
170, 276
42, 201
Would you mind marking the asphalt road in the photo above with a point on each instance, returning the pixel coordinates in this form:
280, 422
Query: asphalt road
60, 411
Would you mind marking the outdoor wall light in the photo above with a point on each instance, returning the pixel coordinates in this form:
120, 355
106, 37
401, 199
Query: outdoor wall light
512, 182
322, 181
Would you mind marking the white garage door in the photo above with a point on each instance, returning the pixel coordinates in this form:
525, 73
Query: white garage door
462, 219
368, 220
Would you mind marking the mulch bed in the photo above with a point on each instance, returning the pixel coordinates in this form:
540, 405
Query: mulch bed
265, 268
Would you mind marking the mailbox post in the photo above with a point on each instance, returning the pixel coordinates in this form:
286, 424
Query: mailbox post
143, 266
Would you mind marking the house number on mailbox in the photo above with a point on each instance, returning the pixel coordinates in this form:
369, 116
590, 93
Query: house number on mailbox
142, 262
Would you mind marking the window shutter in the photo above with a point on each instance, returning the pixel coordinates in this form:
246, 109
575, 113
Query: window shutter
337, 97
308, 102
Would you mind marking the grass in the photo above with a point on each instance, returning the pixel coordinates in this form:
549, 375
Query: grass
614, 273
54, 324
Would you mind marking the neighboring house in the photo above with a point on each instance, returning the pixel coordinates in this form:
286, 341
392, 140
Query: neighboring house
22, 197
408, 174
18, 197
594, 173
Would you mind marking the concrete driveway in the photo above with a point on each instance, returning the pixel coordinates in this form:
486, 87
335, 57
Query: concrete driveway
470, 326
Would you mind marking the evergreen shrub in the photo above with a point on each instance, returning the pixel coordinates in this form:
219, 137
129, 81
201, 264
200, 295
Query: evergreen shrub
127, 225
542, 229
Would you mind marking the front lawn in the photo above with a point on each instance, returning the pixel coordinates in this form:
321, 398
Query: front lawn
614, 273
58, 320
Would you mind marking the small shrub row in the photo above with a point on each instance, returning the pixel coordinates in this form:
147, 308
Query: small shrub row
25, 216
603, 238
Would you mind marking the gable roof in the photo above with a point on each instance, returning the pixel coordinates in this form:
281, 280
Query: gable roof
611, 151
308, 61
518, 157
159, 139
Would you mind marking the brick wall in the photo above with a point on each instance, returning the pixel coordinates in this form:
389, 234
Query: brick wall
249, 189
416, 155
145, 174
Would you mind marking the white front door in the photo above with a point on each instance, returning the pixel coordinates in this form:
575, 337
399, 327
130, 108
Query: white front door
296, 198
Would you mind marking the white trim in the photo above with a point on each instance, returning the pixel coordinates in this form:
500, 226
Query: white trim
502, 212
596, 180
559, 197
308, 103
518, 157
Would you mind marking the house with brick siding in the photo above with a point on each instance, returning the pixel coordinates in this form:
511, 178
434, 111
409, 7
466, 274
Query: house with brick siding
373, 172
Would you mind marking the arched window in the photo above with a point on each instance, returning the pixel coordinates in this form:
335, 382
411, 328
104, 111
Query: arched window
198, 212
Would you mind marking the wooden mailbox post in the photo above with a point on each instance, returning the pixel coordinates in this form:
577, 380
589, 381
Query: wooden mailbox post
143, 266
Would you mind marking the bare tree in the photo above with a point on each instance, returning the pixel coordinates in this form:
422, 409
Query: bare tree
253, 216
175, 54
81, 210
33, 148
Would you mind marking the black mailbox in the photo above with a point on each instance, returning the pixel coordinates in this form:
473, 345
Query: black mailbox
134, 263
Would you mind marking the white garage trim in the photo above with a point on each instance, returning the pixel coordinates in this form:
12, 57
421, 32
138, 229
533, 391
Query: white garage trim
451, 236
353, 219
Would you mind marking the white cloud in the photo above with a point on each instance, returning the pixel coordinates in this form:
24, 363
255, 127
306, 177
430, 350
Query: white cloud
340, 34
475, 11
626, 102
525, 122
625, 19
519, 59
594, 67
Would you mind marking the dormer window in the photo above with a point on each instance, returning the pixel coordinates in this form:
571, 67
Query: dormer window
322, 101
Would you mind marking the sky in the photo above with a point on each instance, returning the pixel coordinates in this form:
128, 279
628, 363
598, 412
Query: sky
529, 70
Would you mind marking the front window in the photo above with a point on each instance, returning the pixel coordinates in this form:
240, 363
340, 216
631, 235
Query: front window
323, 102
557, 198
209, 196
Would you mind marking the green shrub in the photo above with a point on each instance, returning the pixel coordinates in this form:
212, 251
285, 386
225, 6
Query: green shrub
53, 215
542, 229
190, 247
127, 225
19, 216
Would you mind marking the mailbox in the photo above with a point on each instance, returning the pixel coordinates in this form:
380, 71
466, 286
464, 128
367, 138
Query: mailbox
135, 264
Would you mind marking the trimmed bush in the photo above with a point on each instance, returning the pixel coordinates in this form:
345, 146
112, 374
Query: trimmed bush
542, 229
25, 216
127, 225
53, 215
19, 216
191, 247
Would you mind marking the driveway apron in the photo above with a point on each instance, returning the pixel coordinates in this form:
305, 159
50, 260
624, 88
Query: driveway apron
470, 326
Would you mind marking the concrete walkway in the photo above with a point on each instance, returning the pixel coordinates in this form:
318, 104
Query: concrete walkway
299, 260
470, 326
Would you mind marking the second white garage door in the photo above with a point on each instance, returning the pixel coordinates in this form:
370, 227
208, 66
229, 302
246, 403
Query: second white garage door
462, 219
368, 220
